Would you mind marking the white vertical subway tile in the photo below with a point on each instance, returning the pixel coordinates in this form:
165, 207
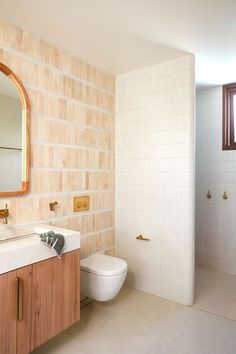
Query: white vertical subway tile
155, 177
215, 171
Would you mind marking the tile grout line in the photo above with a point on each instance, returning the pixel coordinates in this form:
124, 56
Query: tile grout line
68, 98
58, 71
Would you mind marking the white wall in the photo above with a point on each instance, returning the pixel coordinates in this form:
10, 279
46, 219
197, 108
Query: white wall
155, 177
215, 171
10, 136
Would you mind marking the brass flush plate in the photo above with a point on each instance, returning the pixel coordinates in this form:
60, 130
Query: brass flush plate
81, 203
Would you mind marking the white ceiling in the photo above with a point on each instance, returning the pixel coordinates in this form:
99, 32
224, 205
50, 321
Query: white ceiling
124, 35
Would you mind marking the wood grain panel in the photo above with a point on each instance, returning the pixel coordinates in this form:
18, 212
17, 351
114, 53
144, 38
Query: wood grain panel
77, 285
54, 297
23, 327
8, 313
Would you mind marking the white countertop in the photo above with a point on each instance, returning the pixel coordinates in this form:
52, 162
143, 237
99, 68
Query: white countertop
21, 252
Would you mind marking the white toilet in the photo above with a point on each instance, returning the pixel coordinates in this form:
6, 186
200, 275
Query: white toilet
102, 276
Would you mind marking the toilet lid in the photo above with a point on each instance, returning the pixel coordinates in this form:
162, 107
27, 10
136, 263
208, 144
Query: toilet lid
102, 264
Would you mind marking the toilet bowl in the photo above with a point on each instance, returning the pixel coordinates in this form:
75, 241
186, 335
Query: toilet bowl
102, 276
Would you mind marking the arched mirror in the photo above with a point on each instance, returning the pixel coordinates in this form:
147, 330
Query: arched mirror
14, 135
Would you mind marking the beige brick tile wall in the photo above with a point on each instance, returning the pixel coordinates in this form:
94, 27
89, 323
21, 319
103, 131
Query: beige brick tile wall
72, 138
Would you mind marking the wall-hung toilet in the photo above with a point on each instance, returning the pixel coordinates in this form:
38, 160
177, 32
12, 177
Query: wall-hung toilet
102, 276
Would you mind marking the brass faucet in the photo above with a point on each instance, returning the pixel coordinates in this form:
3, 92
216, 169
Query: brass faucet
4, 213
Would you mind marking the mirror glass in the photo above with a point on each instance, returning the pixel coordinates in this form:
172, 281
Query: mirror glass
14, 144
10, 136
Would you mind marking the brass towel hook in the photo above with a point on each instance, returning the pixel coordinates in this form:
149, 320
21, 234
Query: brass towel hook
142, 238
52, 206
209, 195
225, 196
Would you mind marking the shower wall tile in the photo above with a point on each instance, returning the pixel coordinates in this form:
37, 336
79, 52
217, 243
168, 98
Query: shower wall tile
155, 177
215, 171
72, 138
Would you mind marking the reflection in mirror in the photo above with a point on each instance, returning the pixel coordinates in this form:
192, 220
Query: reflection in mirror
229, 117
10, 136
234, 115
14, 135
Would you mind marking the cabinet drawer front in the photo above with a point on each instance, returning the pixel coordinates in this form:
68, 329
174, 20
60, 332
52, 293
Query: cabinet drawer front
15, 333
55, 296
8, 313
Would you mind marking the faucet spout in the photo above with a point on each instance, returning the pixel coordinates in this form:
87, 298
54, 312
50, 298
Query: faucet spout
4, 213
4, 219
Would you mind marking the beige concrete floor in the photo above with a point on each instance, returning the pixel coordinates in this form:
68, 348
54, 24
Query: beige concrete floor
215, 292
136, 322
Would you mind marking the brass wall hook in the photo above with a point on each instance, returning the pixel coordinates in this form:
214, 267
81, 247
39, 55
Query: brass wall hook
142, 238
225, 196
209, 195
52, 206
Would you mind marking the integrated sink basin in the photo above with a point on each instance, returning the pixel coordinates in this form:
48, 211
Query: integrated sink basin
20, 247
8, 234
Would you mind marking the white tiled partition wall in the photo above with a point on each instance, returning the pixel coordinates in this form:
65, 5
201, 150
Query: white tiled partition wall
155, 177
216, 172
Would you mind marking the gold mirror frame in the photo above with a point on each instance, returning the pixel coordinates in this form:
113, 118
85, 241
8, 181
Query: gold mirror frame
25, 132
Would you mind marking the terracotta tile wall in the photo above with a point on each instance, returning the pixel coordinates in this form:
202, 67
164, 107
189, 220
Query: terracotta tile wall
72, 138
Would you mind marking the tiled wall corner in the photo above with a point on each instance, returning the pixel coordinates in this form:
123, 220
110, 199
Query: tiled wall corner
155, 177
215, 171
72, 138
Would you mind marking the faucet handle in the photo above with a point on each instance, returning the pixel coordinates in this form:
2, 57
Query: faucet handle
6, 211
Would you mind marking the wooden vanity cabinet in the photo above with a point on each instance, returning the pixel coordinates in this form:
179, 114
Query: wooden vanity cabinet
7, 313
15, 311
38, 302
55, 296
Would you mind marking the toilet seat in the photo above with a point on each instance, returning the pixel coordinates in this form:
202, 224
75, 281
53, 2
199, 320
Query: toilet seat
103, 265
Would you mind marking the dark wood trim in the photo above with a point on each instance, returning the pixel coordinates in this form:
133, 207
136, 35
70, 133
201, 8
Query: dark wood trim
26, 138
228, 139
